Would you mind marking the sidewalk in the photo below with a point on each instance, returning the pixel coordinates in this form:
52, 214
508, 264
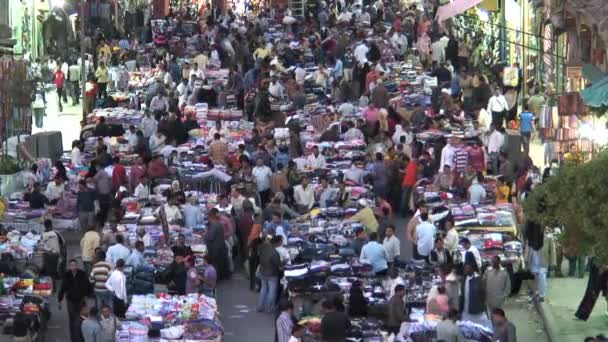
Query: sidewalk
528, 323
68, 121
563, 298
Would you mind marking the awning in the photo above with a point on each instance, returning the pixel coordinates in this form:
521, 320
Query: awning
593, 73
597, 94
455, 8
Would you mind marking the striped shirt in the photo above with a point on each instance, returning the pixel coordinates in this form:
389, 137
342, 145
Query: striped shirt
461, 159
284, 326
99, 275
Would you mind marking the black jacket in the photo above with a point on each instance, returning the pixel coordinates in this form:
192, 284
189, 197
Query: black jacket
477, 301
270, 261
447, 256
75, 287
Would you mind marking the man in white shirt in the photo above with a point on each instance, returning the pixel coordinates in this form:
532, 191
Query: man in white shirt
182, 88
354, 174
495, 141
276, 89
262, 175
477, 193
131, 136
451, 237
149, 125
143, 236
304, 195
361, 53
497, 105
447, 155
54, 190
391, 245
315, 160
438, 52
159, 103
117, 285
117, 251
425, 236
300, 74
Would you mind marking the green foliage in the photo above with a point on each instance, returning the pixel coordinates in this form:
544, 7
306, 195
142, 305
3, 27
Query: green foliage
577, 198
8, 166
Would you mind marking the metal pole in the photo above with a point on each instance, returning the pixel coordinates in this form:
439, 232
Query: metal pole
83, 72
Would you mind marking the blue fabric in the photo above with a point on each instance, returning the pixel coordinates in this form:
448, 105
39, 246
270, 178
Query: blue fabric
525, 121
376, 255
268, 294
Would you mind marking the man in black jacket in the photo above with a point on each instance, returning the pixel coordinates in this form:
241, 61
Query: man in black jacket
270, 268
440, 255
75, 287
472, 298
334, 324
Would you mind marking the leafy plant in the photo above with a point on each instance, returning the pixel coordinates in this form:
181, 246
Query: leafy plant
577, 199
9, 165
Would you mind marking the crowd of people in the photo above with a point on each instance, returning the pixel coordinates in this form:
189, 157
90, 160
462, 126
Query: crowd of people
249, 227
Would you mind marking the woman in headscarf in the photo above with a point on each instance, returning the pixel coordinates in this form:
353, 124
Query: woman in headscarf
176, 193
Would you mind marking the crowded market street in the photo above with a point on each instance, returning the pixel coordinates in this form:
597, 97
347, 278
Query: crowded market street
303, 170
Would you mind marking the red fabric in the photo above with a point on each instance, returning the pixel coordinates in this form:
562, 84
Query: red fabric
119, 177
397, 24
411, 174
477, 159
157, 168
136, 174
227, 223
59, 78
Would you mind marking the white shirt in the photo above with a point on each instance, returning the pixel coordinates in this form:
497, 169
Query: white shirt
131, 137
361, 53
284, 255
495, 141
438, 51
159, 103
316, 162
304, 197
172, 212
117, 284
262, 175
276, 90
148, 126
53, 191
76, 157
477, 193
141, 191
447, 157
182, 89
392, 248
497, 104
300, 75
451, 240
425, 237
117, 251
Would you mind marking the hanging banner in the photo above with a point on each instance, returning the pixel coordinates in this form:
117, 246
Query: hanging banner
455, 8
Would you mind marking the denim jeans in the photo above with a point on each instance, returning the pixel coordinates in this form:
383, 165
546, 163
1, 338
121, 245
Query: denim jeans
104, 298
268, 293
541, 281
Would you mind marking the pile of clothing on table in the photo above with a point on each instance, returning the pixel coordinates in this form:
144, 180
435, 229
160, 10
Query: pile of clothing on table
19, 245
163, 311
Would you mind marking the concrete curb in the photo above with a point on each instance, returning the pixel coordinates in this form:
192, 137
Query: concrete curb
548, 319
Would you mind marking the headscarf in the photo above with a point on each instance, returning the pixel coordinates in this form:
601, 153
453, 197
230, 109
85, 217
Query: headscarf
397, 135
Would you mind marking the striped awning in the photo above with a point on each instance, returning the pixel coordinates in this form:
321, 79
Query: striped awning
455, 8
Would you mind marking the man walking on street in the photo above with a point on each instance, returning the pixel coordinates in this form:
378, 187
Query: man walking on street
497, 285
74, 78
59, 80
504, 330
75, 288
85, 206
526, 128
51, 243
98, 276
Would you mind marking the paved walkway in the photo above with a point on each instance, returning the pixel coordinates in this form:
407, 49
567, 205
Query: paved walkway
562, 300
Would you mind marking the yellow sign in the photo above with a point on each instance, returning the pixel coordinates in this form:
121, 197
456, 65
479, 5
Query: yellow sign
490, 5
